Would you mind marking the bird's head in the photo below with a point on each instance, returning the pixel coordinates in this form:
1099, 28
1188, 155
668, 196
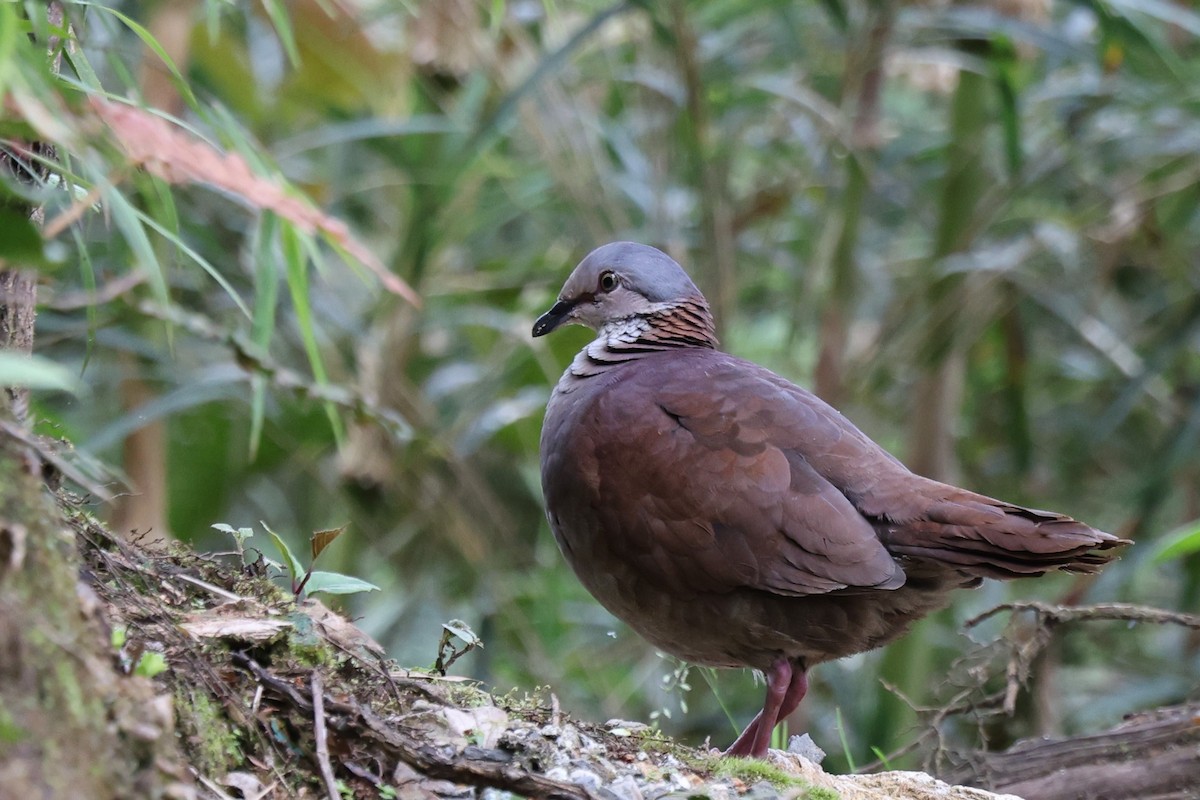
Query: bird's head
616, 282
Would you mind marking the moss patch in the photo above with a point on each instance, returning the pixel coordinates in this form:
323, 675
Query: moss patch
753, 770
206, 734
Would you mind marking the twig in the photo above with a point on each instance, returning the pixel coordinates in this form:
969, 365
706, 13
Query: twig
318, 701
959, 704
278, 685
1021, 654
1126, 612
117, 287
208, 587
472, 767
211, 785
72, 214
253, 360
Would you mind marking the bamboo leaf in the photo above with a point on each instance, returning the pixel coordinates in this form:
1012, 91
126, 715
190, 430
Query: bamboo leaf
34, 372
148, 39
278, 14
266, 303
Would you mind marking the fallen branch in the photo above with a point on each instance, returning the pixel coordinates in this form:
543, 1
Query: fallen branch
1151, 755
318, 701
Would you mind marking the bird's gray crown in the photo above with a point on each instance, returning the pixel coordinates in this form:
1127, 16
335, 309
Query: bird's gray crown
646, 270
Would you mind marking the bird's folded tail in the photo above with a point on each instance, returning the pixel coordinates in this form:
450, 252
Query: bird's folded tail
990, 538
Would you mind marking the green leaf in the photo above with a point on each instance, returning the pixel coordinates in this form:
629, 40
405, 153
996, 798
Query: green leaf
1172, 13
278, 15
10, 35
336, 583
1180, 542
240, 535
129, 221
266, 301
295, 568
87, 273
174, 239
150, 664
21, 241
181, 84
22, 244
297, 279
35, 372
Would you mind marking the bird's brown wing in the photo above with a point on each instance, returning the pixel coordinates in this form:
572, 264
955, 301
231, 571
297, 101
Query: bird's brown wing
982, 536
696, 481
932, 521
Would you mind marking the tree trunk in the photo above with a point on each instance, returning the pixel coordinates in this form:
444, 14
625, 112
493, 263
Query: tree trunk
65, 727
67, 718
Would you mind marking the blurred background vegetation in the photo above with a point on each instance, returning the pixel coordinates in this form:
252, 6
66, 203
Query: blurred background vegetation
972, 226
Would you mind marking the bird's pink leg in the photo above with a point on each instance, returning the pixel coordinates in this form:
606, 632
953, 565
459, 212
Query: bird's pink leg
741, 747
795, 693
783, 673
787, 684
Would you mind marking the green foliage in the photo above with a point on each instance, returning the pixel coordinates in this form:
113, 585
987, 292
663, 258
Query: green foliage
877, 197
303, 579
35, 372
1182, 541
847, 753
10, 731
150, 664
22, 243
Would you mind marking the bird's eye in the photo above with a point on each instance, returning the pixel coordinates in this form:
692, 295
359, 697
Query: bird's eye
608, 281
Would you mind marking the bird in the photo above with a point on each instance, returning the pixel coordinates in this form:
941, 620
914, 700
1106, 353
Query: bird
733, 519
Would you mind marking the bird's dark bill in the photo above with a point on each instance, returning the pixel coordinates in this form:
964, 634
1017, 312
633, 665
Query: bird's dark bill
552, 318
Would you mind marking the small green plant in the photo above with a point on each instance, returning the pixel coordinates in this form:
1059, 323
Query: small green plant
239, 535
150, 664
448, 652
710, 677
303, 579
674, 681
841, 729
779, 736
